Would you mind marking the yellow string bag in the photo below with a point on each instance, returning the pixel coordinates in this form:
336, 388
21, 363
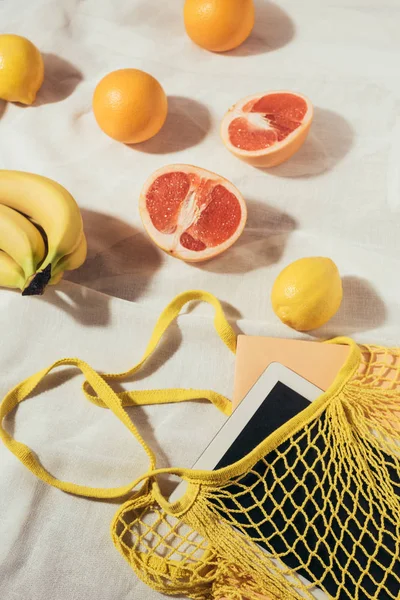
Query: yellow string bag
312, 512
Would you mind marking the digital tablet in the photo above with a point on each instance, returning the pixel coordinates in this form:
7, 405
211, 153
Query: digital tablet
278, 395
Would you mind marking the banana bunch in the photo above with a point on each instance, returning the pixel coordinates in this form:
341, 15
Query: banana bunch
31, 204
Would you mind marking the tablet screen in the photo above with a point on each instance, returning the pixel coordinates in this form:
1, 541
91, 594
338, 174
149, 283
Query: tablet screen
281, 404
276, 516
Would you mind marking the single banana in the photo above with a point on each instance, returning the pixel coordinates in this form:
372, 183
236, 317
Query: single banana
70, 262
74, 260
51, 206
56, 278
11, 274
21, 240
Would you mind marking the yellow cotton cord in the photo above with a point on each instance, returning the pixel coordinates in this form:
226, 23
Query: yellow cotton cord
321, 495
28, 458
169, 314
104, 396
314, 509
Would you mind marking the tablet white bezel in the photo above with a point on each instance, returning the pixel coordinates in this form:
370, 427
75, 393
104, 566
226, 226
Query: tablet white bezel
274, 373
224, 438
222, 441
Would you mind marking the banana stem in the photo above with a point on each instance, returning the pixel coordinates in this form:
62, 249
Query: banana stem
37, 284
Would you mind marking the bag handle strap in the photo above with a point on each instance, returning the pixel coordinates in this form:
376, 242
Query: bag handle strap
169, 314
104, 396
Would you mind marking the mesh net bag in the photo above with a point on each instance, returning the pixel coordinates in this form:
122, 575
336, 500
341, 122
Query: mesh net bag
312, 512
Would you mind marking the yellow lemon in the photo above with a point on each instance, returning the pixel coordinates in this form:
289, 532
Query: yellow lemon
21, 69
307, 293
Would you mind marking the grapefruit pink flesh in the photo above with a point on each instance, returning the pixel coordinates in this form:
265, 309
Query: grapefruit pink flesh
164, 200
218, 220
281, 114
193, 212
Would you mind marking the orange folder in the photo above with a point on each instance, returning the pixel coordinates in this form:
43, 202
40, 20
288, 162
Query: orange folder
318, 363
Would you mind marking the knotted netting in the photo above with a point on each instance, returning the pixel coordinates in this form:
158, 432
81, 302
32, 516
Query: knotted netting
313, 512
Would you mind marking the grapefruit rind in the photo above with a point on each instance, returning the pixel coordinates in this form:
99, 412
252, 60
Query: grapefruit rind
171, 242
277, 153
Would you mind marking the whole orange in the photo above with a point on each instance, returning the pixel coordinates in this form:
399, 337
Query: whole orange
130, 105
219, 25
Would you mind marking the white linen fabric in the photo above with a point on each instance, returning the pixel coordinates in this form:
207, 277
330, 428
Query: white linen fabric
338, 197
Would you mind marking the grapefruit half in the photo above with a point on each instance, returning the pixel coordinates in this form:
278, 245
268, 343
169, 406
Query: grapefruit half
267, 129
191, 213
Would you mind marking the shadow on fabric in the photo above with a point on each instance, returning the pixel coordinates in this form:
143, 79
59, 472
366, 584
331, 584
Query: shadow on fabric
166, 349
187, 124
261, 244
362, 309
87, 308
3, 106
171, 343
330, 139
61, 79
138, 416
273, 29
121, 259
